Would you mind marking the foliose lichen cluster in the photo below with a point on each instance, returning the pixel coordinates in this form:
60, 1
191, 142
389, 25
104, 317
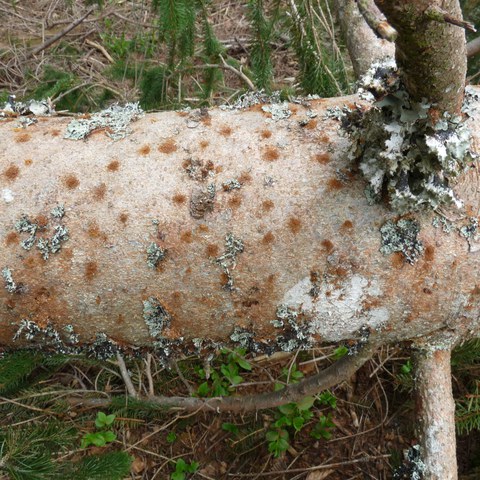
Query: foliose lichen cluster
228, 260
402, 236
46, 246
114, 120
155, 316
408, 152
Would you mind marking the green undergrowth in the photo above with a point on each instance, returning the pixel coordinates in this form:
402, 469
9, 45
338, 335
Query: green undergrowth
69, 417
179, 60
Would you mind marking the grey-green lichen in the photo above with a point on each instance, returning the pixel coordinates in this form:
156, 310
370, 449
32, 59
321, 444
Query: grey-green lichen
228, 260
471, 232
54, 244
155, 255
231, 184
25, 225
294, 335
58, 211
114, 120
47, 336
155, 316
44, 245
446, 225
278, 111
401, 237
405, 149
10, 284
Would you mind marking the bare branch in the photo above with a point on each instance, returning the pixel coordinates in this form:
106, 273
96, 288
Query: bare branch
126, 376
436, 413
57, 37
434, 12
336, 373
473, 47
376, 20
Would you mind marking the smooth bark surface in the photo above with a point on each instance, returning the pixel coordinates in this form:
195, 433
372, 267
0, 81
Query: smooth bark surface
436, 414
310, 240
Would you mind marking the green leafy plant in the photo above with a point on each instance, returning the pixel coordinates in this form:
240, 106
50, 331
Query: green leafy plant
182, 469
171, 437
223, 379
323, 427
103, 436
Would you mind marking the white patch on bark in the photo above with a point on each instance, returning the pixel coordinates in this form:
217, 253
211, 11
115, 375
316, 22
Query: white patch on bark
7, 195
342, 310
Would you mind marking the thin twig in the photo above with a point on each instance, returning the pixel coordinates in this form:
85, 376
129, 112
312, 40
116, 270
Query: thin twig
126, 376
376, 20
148, 373
434, 12
312, 469
57, 37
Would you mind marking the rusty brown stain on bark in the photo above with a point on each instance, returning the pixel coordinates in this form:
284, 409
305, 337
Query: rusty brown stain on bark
94, 232
212, 250
267, 205
429, 253
244, 177
187, 237
179, 198
204, 144
91, 270
71, 182
327, 245
234, 202
294, 225
11, 172
11, 238
322, 158
123, 217
168, 146
99, 192
28, 162
226, 131
268, 238
346, 227
22, 137
144, 150
334, 184
270, 154
265, 134
113, 166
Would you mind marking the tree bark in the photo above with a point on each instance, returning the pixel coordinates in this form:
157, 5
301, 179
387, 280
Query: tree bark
436, 413
296, 245
364, 47
431, 54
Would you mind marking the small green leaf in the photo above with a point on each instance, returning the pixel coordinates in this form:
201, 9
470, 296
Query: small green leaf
287, 409
203, 390
230, 427
305, 403
171, 437
177, 476
108, 436
244, 364
298, 423
340, 352
272, 435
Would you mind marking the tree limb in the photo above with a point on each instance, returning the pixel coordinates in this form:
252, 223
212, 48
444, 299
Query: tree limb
436, 413
376, 20
336, 373
61, 34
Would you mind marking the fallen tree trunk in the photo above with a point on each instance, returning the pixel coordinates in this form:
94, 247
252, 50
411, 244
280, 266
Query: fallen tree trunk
220, 227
